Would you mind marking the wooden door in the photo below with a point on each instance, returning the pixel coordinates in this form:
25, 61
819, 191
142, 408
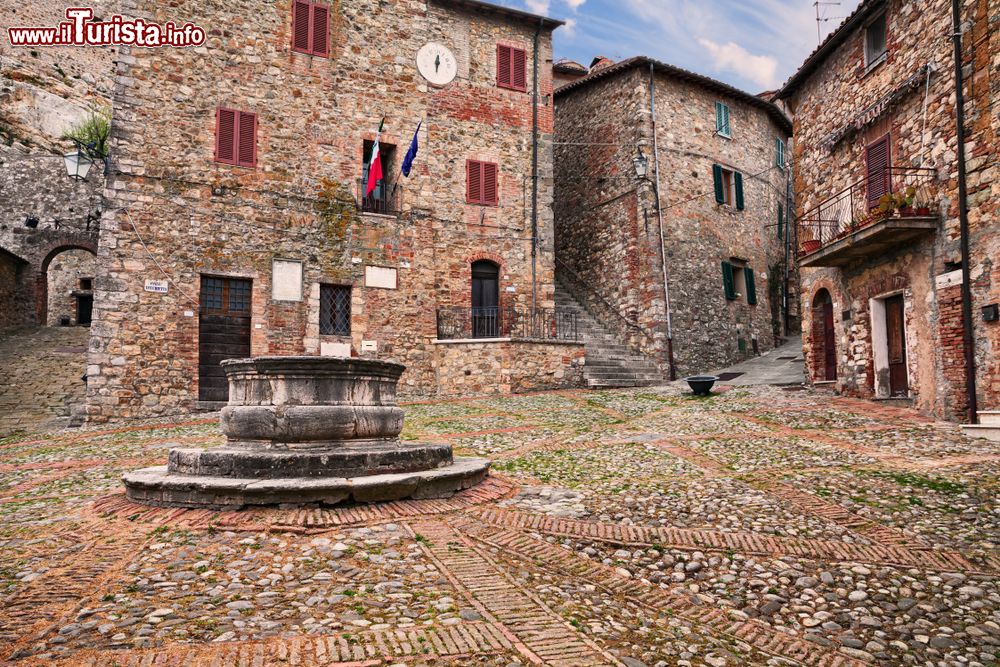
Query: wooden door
485, 300
223, 332
829, 343
895, 331
84, 309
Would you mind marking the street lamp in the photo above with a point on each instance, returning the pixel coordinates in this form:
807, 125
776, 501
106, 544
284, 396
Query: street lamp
77, 164
641, 164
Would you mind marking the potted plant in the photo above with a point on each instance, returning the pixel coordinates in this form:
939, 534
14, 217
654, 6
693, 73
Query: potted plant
922, 210
904, 201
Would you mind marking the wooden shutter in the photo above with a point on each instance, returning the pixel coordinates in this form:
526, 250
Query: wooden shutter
779, 153
877, 169
473, 182
781, 221
225, 136
738, 179
247, 140
320, 30
301, 26
722, 119
490, 183
728, 283
751, 286
503, 66
519, 69
720, 192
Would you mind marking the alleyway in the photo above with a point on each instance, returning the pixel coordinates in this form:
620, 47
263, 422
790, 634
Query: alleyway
638, 527
40, 377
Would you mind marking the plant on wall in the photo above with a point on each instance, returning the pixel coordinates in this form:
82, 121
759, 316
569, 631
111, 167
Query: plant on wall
92, 134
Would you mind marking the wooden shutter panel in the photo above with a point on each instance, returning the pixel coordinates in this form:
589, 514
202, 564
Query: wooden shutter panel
738, 178
519, 69
473, 182
225, 136
877, 168
504, 66
720, 192
320, 30
490, 183
728, 283
751, 286
247, 142
301, 15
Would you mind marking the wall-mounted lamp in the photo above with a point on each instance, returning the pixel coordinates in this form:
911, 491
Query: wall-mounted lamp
31, 222
641, 164
991, 313
78, 164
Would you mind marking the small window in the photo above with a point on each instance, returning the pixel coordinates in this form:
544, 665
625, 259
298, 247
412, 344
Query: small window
335, 310
728, 186
482, 183
779, 153
738, 281
512, 68
875, 41
311, 28
86, 283
722, 125
236, 137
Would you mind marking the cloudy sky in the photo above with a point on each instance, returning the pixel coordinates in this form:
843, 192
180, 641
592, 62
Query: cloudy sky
752, 44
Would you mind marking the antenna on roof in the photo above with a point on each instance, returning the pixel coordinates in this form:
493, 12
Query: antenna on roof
821, 19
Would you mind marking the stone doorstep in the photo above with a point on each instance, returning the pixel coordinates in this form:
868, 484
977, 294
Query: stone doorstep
988, 431
155, 486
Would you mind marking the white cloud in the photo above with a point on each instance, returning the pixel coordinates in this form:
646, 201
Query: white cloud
730, 56
538, 6
569, 28
574, 4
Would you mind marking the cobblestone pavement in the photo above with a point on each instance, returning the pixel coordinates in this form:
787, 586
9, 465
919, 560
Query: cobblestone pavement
40, 371
634, 527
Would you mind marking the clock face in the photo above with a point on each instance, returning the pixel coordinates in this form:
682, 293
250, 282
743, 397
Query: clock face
437, 64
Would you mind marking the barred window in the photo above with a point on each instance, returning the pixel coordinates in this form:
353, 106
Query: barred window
335, 310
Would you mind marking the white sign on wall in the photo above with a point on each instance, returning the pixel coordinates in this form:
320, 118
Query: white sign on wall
331, 349
286, 280
157, 286
380, 276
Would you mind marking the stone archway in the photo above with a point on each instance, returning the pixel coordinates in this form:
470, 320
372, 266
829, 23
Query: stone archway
41, 288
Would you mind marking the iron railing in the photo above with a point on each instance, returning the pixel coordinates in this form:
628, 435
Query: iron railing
387, 199
896, 192
508, 322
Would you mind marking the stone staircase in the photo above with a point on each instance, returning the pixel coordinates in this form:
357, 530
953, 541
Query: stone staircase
609, 363
988, 426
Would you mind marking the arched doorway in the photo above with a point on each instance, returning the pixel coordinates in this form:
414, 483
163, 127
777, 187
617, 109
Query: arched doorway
485, 299
824, 337
65, 292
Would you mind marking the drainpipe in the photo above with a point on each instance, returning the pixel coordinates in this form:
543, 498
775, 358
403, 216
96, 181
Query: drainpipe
659, 217
788, 245
534, 178
963, 219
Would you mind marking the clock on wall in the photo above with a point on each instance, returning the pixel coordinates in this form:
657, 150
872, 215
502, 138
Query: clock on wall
437, 64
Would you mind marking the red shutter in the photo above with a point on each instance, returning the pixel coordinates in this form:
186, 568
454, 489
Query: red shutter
490, 178
301, 26
225, 136
503, 66
877, 168
473, 182
247, 146
320, 30
519, 69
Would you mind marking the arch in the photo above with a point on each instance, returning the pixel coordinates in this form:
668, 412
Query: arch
42, 277
824, 338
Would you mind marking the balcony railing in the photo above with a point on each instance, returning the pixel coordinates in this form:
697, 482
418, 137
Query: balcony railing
509, 322
898, 192
387, 199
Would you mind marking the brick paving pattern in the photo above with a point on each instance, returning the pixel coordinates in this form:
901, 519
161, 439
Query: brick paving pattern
629, 527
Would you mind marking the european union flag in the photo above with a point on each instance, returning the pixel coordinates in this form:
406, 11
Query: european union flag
412, 153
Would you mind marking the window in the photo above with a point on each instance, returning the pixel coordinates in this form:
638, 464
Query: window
738, 281
236, 137
86, 283
877, 168
383, 198
482, 183
722, 126
512, 68
875, 41
335, 310
728, 186
779, 153
311, 28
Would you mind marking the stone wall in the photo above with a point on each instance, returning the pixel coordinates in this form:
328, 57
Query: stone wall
12, 309
829, 103
65, 273
197, 217
468, 368
607, 228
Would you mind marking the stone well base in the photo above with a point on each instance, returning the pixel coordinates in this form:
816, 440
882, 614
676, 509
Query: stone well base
157, 486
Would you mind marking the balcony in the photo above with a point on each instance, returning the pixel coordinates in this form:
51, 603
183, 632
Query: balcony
870, 217
385, 199
511, 322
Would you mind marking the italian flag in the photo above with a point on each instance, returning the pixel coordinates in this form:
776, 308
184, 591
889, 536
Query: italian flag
375, 164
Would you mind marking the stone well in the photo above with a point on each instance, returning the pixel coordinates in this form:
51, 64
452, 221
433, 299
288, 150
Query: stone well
307, 430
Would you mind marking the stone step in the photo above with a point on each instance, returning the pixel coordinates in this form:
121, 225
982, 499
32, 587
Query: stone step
989, 417
989, 431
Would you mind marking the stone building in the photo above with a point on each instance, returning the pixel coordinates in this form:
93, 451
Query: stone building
876, 181
711, 205
239, 224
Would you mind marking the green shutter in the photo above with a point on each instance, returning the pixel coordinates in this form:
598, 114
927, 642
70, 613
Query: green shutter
722, 119
751, 286
727, 281
781, 222
738, 177
779, 154
720, 193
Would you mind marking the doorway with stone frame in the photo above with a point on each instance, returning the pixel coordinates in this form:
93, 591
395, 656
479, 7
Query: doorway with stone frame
889, 345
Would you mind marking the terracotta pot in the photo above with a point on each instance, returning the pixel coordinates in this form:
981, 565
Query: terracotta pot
924, 211
812, 245
906, 211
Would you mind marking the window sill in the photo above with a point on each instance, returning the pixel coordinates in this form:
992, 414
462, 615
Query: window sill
466, 341
727, 137
873, 65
